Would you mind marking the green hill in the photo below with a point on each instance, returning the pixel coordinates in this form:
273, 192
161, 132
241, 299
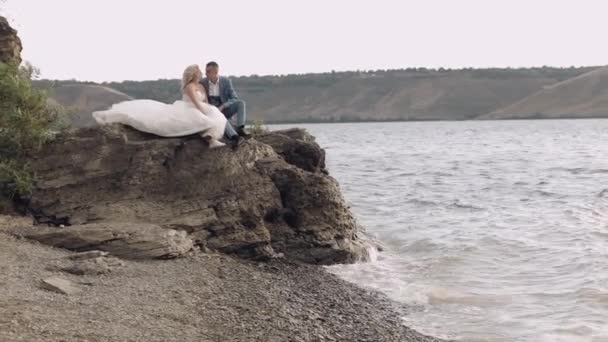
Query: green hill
407, 94
583, 96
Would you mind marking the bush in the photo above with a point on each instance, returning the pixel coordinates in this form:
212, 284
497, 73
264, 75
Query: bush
257, 128
27, 121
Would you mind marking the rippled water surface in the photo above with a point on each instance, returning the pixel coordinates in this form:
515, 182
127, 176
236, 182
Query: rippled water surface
494, 231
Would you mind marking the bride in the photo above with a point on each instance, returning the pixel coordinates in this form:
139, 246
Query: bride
189, 116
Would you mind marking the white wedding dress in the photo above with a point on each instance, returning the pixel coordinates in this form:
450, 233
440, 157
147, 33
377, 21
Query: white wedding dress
167, 120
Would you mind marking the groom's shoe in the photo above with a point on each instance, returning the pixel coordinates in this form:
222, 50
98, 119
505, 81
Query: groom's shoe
241, 132
235, 141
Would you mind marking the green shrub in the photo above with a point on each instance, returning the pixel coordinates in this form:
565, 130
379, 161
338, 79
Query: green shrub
257, 128
27, 121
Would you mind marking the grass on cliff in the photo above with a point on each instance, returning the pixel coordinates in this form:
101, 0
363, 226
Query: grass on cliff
257, 128
27, 121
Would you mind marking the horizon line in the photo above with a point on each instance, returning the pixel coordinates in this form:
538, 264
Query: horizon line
411, 69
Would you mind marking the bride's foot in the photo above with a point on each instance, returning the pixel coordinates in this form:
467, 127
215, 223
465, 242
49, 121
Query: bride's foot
214, 143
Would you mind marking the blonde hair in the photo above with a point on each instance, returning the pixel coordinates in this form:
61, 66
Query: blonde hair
190, 74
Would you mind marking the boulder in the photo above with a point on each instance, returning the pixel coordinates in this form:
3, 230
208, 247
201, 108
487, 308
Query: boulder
297, 147
272, 195
94, 254
93, 266
59, 285
124, 240
10, 44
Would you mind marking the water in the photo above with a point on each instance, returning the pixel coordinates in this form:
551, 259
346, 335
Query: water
494, 231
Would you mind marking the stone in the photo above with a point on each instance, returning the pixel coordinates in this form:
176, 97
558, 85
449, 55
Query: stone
59, 285
297, 147
8, 222
10, 44
271, 195
120, 239
320, 227
95, 266
87, 255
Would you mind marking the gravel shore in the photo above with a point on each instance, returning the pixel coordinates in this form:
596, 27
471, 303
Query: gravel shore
202, 297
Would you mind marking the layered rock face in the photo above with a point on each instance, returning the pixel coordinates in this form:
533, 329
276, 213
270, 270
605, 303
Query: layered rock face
10, 44
272, 196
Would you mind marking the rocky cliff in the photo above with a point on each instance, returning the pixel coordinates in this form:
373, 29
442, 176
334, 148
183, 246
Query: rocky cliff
119, 199
271, 197
10, 44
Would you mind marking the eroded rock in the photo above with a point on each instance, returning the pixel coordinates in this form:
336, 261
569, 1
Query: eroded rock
59, 285
10, 44
265, 198
297, 147
94, 266
88, 255
124, 240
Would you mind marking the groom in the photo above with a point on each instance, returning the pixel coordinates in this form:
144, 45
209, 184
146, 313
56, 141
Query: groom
221, 94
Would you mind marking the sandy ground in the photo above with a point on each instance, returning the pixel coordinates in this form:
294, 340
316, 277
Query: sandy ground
202, 297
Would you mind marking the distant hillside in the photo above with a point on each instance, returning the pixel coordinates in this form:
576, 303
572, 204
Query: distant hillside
583, 96
83, 99
387, 96
408, 94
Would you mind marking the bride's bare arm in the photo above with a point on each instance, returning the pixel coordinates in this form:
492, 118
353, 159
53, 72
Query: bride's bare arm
191, 93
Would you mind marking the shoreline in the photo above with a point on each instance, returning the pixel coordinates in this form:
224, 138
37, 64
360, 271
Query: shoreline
427, 120
201, 297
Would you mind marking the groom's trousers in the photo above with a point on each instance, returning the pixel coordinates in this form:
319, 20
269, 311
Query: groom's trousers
229, 131
239, 109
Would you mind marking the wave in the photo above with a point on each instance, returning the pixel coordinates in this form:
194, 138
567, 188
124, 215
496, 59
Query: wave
406, 174
439, 296
456, 204
440, 174
422, 203
573, 170
545, 193
579, 170
460, 205
421, 246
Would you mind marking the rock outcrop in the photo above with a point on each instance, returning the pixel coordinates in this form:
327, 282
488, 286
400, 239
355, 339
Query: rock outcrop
298, 148
10, 44
59, 285
124, 240
272, 196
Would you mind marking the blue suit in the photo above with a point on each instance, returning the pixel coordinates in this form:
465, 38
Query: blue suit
228, 99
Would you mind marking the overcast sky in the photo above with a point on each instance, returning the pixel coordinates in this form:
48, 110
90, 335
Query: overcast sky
103, 40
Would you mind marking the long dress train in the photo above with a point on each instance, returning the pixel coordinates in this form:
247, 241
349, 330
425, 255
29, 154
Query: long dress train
167, 120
